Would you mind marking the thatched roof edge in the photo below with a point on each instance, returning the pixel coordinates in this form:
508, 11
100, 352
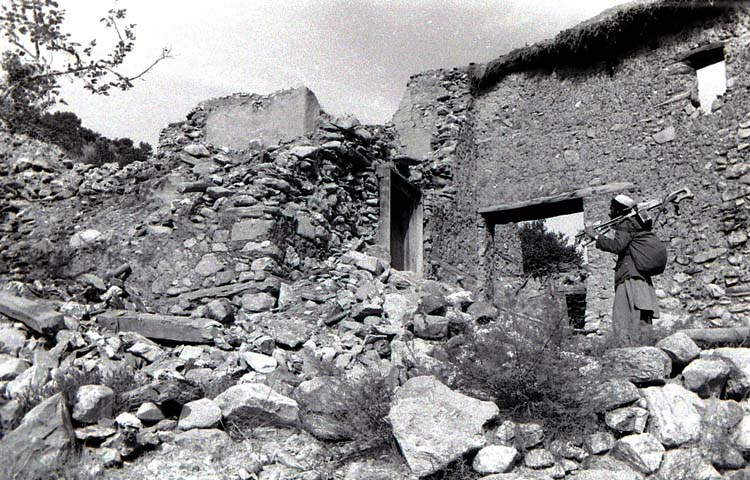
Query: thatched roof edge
603, 38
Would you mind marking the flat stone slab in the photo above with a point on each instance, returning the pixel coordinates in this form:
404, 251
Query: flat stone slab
161, 327
38, 316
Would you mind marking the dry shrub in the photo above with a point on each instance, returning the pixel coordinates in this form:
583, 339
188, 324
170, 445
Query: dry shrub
121, 379
533, 370
362, 408
459, 470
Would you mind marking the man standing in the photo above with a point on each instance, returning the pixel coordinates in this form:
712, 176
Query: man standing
635, 303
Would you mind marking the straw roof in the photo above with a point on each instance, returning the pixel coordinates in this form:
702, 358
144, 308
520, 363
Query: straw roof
604, 39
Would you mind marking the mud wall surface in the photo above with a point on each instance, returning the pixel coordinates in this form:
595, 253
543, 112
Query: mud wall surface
283, 116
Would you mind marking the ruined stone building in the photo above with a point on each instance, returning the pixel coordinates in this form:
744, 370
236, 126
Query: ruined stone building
617, 104
253, 191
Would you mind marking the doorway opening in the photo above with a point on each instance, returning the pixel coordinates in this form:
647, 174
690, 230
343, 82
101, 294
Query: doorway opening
401, 221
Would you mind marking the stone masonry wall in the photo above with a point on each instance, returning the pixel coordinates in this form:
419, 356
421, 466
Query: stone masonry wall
436, 136
547, 132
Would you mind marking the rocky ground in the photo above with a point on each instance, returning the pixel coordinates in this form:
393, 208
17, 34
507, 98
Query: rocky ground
214, 313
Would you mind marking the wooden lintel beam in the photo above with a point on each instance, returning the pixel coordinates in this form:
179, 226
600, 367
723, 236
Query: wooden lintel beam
580, 193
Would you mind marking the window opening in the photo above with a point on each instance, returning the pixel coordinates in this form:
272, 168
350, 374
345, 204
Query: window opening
710, 68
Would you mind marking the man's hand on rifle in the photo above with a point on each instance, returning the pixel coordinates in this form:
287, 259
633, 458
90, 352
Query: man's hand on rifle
590, 232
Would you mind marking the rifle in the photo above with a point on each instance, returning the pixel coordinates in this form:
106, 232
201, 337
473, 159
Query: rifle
640, 211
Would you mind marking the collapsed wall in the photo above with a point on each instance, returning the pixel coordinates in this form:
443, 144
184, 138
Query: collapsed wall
552, 120
204, 216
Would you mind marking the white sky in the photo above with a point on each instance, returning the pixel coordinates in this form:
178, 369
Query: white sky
356, 55
712, 82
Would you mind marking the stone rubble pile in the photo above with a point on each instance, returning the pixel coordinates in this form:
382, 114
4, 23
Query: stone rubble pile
259, 370
674, 411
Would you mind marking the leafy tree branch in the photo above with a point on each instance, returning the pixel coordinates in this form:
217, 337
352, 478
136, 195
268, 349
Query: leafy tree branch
42, 52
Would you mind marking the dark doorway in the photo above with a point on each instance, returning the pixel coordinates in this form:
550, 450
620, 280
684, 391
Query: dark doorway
401, 221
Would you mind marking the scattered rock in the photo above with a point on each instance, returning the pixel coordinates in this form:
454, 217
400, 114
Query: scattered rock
538, 458
36, 315
93, 403
204, 413
259, 362
640, 365
627, 420
706, 376
600, 442
149, 412
674, 419
11, 367
643, 452
666, 135
495, 459
680, 348
42, 445
257, 404
613, 394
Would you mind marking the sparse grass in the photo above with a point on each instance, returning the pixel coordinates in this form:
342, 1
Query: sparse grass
458, 470
67, 382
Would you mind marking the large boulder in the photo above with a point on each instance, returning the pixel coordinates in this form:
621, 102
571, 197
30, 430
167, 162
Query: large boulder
255, 404
640, 365
643, 452
674, 417
435, 426
686, 464
41, 445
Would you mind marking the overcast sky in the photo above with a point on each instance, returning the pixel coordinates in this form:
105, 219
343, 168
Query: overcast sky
356, 55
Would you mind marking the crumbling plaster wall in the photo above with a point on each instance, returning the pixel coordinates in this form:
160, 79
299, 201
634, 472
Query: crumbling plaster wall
547, 132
